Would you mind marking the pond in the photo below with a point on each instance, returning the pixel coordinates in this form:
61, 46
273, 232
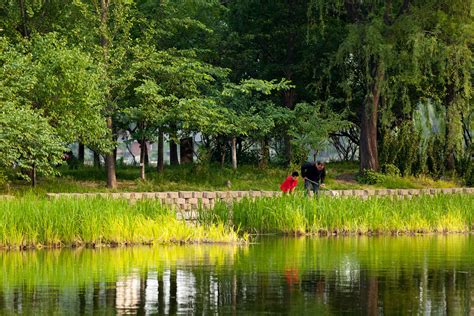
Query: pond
317, 276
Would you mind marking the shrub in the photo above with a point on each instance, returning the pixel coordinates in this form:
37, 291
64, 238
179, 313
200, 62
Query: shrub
391, 170
370, 177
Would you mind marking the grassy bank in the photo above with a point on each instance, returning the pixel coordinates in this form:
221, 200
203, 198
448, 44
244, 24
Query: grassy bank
33, 222
340, 175
300, 215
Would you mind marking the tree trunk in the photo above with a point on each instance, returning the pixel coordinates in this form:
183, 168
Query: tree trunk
146, 158
96, 160
234, 153
110, 162
24, 27
223, 150
450, 129
143, 151
368, 123
105, 44
265, 153
80, 153
33, 175
173, 153
160, 163
186, 150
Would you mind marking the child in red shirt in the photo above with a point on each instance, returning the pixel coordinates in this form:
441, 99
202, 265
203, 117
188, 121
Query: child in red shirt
290, 183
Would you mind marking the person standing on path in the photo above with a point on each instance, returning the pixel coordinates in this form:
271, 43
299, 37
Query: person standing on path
313, 175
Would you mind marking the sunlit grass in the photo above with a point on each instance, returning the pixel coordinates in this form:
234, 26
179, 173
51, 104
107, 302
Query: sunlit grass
31, 221
325, 215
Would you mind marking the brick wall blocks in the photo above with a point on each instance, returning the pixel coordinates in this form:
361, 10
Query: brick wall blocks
267, 193
188, 201
255, 194
149, 195
209, 195
172, 195
161, 195
185, 194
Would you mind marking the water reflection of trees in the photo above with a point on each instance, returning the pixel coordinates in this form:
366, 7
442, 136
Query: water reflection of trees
284, 276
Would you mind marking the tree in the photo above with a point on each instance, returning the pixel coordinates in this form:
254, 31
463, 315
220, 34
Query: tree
314, 125
27, 141
68, 90
267, 42
249, 109
106, 26
167, 86
391, 56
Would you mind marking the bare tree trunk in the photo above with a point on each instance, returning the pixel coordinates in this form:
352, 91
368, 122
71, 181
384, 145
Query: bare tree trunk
265, 153
80, 153
143, 151
33, 175
234, 153
110, 163
147, 158
186, 150
173, 153
223, 150
160, 163
368, 127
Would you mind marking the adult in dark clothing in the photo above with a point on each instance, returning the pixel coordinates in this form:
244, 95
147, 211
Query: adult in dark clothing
313, 175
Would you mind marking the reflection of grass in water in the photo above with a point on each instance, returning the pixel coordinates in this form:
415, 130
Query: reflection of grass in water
373, 253
32, 221
81, 266
299, 215
388, 255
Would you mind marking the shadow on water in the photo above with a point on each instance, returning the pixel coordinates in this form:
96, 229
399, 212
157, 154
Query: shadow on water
389, 275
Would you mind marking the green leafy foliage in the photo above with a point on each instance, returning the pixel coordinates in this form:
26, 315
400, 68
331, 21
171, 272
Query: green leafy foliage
257, 79
391, 170
313, 125
370, 177
27, 141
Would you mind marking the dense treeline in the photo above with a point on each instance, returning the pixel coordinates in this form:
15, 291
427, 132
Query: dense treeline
390, 80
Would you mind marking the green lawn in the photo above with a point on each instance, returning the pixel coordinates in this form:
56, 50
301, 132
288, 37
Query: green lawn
340, 175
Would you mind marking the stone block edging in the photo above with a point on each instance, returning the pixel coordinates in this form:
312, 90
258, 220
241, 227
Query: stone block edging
192, 200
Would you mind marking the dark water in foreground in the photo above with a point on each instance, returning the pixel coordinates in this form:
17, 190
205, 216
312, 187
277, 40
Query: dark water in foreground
389, 275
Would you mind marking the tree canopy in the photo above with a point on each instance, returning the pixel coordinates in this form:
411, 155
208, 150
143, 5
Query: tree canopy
392, 79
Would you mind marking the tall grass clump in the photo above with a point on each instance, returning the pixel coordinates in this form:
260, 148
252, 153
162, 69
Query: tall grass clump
325, 215
32, 221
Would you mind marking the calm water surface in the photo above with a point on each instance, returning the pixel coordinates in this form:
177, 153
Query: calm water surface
324, 276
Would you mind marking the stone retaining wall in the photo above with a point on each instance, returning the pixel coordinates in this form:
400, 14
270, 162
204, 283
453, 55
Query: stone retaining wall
191, 200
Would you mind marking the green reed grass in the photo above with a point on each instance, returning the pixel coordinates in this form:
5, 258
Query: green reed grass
32, 221
325, 215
